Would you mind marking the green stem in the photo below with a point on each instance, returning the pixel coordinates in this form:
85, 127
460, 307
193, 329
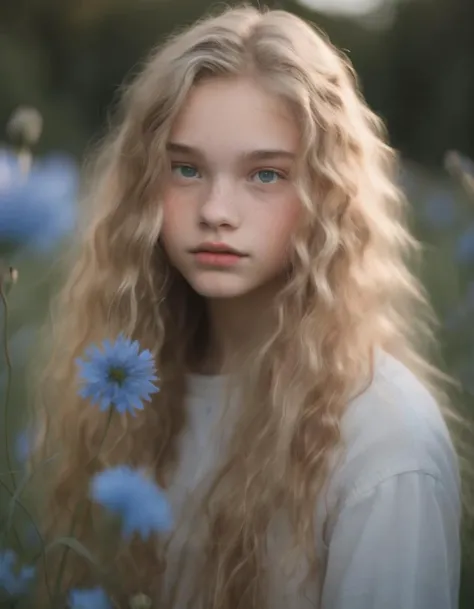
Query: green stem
15, 532
8, 382
104, 435
15, 497
75, 515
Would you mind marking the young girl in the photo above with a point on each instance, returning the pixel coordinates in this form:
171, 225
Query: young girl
246, 228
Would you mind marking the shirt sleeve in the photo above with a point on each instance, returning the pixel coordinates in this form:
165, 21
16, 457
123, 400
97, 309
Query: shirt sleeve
396, 547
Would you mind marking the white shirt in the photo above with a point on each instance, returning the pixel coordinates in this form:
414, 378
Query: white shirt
393, 503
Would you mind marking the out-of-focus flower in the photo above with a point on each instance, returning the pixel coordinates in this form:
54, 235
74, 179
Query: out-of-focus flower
23, 445
89, 598
14, 582
465, 247
440, 211
25, 126
118, 375
37, 208
137, 500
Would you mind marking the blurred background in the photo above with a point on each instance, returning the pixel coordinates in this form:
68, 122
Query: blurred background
67, 59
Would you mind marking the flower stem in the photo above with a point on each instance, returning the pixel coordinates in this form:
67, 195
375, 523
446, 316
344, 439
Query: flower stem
75, 515
106, 430
8, 381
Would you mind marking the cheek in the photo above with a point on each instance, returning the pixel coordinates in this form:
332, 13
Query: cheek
281, 226
172, 221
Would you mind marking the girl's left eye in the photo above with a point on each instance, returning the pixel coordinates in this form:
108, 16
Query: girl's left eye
268, 176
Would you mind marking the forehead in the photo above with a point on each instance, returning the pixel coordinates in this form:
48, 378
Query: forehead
231, 116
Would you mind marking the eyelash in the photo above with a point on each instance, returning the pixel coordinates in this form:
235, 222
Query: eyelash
281, 175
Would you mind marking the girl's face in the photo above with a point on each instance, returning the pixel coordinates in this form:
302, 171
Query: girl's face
231, 152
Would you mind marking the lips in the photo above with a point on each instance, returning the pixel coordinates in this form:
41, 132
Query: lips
217, 255
217, 248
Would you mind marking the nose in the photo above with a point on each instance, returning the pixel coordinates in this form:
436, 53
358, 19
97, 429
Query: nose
219, 207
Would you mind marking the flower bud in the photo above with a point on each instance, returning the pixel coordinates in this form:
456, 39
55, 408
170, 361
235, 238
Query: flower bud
25, 126
8, 278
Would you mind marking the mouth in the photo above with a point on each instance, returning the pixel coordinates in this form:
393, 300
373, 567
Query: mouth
217, 248
217, 255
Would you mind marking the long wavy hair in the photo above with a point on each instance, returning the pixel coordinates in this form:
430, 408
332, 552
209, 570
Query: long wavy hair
351, 290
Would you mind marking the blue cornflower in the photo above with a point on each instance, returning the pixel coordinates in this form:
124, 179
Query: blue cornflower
39, 207
14, 582
24, 444
118, 375
137, 500
89, 598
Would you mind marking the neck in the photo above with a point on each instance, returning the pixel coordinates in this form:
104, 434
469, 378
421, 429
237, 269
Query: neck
237, 325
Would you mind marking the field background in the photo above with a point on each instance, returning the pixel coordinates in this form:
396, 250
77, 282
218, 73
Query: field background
415, 60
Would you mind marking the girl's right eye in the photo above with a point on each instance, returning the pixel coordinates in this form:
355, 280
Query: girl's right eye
184, 171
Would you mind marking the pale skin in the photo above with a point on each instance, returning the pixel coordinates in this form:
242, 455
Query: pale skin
232, 154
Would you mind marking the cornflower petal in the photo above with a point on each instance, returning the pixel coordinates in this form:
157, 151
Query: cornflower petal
117, 375
89, 598
14, 583
137, 500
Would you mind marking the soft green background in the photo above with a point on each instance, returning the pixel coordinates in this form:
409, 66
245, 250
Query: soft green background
416, 66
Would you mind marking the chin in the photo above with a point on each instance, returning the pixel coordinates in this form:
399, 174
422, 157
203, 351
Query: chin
220, 287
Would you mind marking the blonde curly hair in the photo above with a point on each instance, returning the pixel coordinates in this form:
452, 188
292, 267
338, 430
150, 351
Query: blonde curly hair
350, 292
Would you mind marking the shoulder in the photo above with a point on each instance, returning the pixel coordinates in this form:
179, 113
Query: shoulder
394, 427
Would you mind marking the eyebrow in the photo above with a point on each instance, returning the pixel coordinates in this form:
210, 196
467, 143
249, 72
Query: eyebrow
251, 155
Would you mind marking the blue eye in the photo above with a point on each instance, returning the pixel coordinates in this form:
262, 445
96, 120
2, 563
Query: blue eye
268, 176
185, 171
